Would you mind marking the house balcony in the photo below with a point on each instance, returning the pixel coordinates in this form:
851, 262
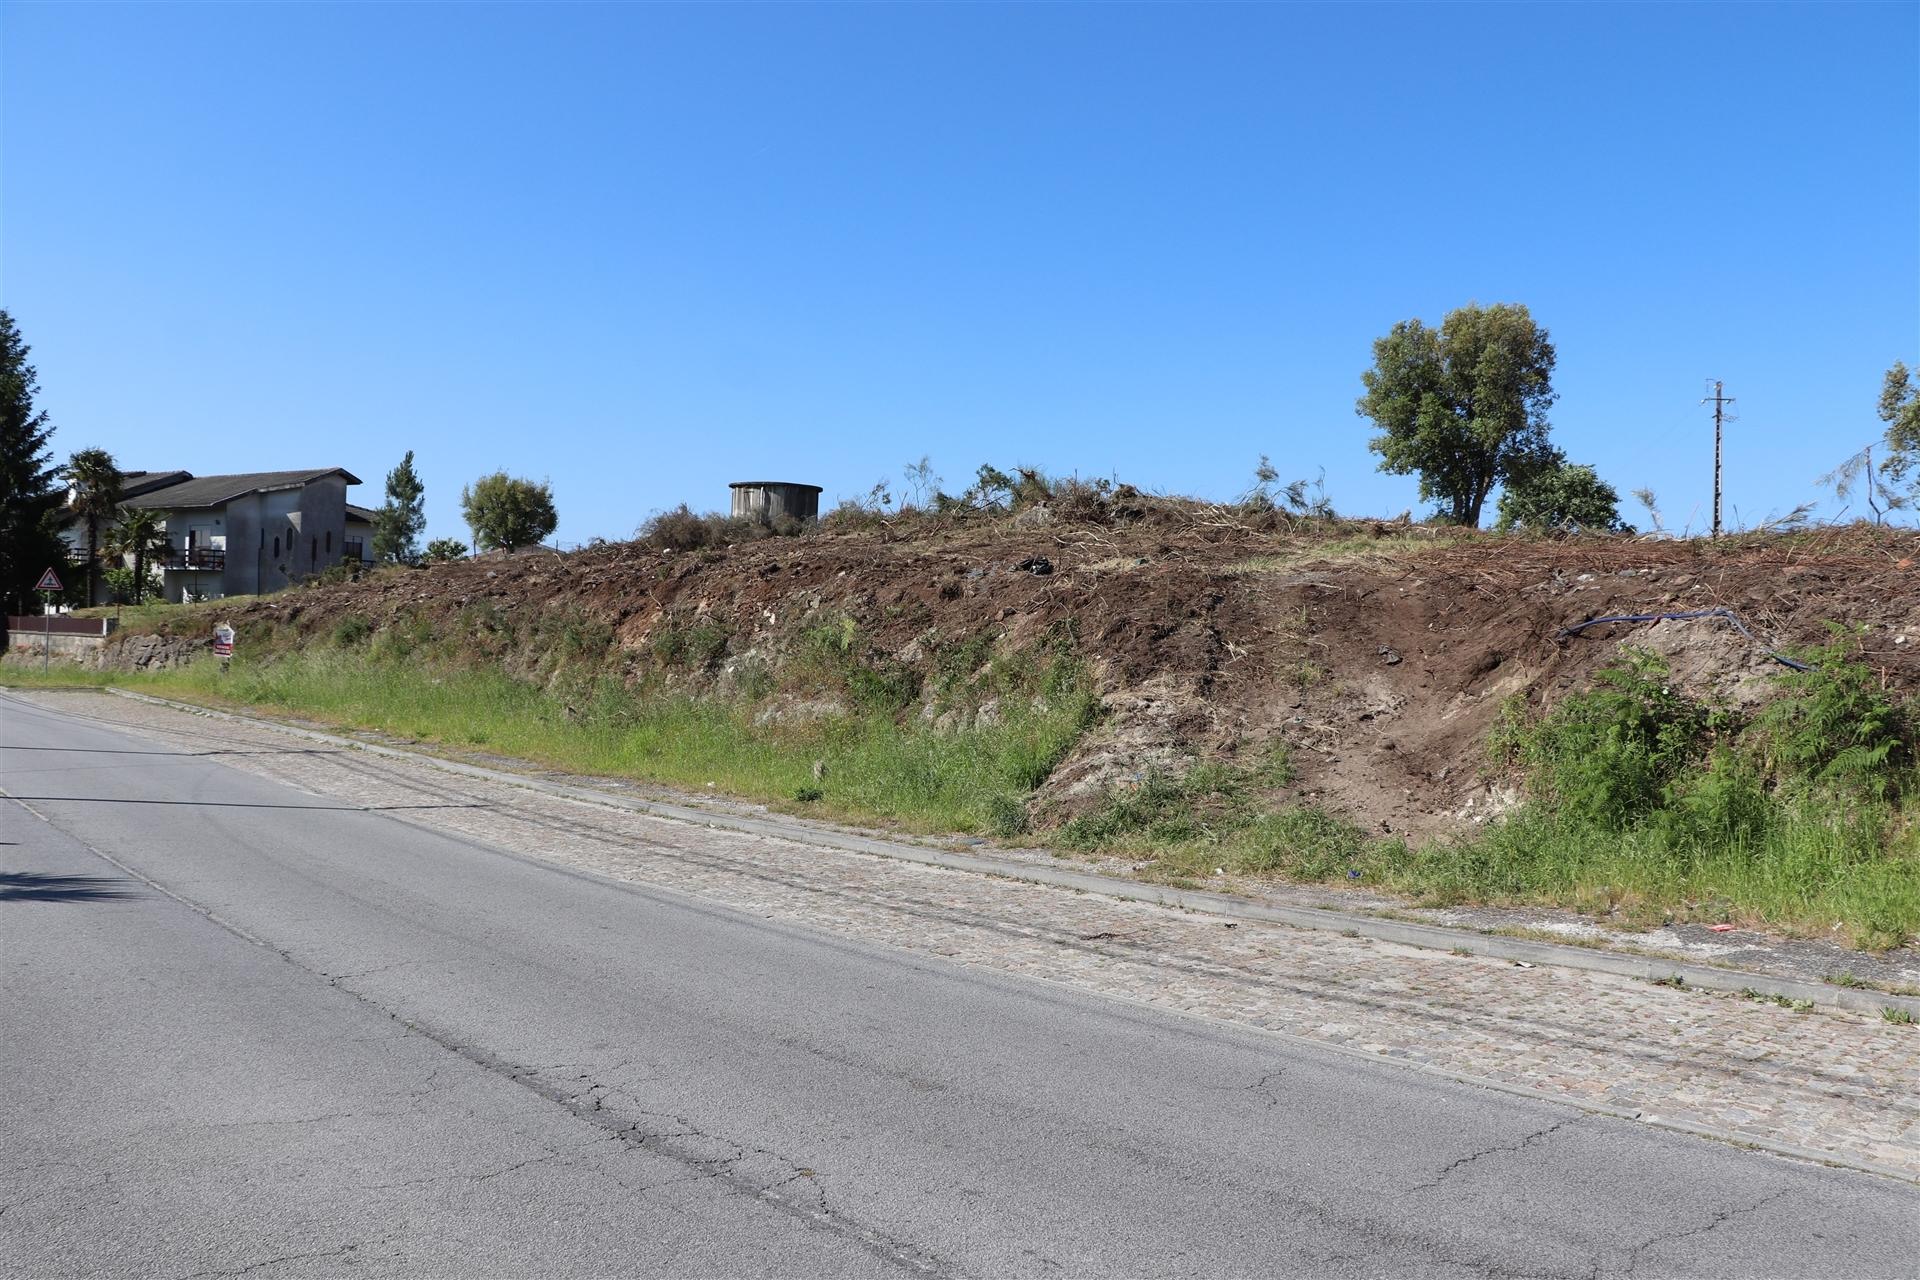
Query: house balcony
212, 558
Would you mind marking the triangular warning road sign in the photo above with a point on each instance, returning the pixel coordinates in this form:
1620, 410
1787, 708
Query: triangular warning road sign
49, 581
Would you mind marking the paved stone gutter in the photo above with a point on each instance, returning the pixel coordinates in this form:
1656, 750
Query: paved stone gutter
1829, 1083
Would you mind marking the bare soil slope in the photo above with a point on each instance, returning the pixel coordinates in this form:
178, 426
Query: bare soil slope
1379, 653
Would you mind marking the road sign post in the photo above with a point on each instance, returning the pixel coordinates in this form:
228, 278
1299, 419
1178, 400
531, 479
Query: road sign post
48, 587
223, 645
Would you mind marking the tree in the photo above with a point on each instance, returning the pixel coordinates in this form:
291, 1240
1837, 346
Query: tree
441, 550
1553, 493
506, 512
1464, 405
93, 478
138, 534
1900, 410
1857, 472
397, 525
29, 495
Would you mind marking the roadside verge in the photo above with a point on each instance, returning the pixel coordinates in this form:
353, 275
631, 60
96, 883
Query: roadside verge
1426, 936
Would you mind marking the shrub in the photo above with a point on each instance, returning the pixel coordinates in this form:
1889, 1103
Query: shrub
1837, 723
1607, 755
698, 647
1078, 501
676, 530
1636, 790
681, 529
352, 629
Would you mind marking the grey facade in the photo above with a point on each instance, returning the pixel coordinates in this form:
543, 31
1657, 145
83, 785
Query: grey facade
247, 534
772, 499
359, 534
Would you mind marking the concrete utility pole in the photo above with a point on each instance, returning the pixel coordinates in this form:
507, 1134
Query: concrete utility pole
1720, 417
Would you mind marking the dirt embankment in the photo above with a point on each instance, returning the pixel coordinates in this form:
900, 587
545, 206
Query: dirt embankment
1380, 654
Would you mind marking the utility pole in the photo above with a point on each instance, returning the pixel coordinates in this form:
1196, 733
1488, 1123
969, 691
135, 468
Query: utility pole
1720, 418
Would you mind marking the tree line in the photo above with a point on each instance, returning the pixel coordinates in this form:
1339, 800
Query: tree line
39, 497
503, 512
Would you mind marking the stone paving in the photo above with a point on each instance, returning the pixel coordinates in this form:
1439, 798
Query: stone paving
1830, 1080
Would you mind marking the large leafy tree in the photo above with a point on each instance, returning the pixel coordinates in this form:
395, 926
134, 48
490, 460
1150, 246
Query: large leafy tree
506, 512
1464, 405
93, 479
1900, 410
30, 497
139, 534
1554, 494
398, 524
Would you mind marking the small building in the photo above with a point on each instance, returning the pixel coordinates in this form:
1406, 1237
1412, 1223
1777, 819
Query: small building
772, 499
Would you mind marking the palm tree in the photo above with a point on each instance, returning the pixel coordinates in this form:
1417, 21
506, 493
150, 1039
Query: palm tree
94, 480
138, 534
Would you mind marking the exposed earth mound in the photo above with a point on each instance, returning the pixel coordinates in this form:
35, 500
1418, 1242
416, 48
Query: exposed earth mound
1380, 654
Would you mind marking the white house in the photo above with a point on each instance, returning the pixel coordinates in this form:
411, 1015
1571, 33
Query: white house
244, 534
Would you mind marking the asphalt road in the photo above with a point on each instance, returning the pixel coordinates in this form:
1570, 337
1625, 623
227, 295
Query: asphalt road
250, 1031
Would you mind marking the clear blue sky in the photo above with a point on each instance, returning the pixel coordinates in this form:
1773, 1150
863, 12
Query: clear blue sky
645, 250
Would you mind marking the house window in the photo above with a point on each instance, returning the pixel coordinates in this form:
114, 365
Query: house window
276, 546
313, 551
329, 542
263, 539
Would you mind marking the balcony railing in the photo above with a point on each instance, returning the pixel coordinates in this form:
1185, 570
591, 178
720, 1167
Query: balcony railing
195, 558
352, 551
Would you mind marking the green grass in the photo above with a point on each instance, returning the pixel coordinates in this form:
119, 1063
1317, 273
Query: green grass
148, 616
872, 764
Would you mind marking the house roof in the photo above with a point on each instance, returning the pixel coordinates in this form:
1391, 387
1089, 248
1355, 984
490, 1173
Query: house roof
212, 491
363, 514
135, 483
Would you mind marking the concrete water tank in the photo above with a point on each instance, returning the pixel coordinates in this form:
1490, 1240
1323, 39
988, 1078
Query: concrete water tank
771, 499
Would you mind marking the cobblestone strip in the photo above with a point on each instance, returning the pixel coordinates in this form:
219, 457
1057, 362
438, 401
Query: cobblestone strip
1827, 1080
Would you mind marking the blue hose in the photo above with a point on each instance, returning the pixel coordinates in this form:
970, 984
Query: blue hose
1683, 617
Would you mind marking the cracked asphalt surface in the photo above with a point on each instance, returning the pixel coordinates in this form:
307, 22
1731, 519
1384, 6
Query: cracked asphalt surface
253, 1031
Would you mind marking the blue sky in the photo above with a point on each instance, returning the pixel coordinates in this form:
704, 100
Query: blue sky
643, 250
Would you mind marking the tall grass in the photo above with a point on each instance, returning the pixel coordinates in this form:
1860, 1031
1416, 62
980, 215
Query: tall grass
869, 763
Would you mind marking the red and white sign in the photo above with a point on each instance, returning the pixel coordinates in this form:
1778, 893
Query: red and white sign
49, 581
223, 641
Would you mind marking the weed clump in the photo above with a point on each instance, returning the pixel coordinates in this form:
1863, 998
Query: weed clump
1634, 789
351, 630
682, 529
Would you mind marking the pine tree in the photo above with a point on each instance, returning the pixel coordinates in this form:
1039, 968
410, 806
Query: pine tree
30, 498
398, 524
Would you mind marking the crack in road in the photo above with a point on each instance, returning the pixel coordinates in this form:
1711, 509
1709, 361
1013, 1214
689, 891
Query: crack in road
1500, 1149
1719, 1219
589, 1104
1264, 1086
93, 1183
249, 1269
